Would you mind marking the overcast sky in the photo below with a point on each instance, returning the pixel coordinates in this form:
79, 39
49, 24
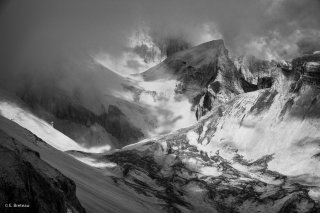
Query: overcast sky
36, 31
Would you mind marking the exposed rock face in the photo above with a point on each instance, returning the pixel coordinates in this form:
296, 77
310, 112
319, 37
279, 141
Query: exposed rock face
204, 105
308, 68
265, 82
26, 179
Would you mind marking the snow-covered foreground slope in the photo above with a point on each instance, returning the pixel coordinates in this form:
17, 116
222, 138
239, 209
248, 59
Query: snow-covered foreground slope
95, 189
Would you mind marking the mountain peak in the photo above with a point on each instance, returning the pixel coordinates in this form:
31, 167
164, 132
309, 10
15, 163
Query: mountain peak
195, 57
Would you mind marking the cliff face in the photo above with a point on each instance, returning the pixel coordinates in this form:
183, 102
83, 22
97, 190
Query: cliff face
26, 179
256, 153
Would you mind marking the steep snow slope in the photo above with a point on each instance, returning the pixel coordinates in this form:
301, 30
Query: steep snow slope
16, 113
256, 153
95, 190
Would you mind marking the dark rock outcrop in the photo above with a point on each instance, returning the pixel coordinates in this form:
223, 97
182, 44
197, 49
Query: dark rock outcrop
28, 181
248, 87
265, 82
204, 105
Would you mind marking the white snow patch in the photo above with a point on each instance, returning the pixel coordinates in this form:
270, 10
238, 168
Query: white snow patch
314, 193
94, 163
193, 138
210, 171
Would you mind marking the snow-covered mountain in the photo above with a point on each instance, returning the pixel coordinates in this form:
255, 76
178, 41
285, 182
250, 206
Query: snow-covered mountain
258, 152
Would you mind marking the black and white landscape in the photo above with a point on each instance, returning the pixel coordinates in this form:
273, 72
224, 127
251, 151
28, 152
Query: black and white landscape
174, 106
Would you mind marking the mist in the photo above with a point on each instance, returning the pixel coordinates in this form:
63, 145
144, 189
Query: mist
39, 38
35, 32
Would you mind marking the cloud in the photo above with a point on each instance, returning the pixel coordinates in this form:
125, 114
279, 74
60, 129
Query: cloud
46, 44
133, 64
35, 33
